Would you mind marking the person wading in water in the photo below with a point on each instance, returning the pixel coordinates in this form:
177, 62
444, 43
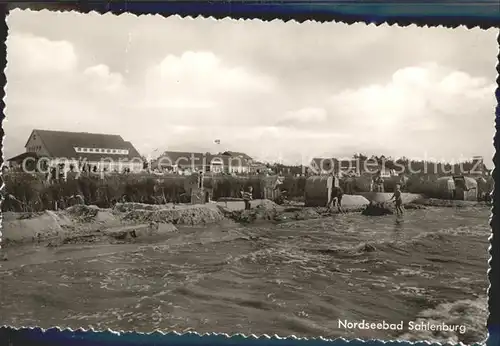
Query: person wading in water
398, 199
335, 194
336, 199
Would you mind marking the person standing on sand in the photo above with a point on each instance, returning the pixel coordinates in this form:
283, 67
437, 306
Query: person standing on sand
349, 183
398, 199
247, 196
379, 182
250, 197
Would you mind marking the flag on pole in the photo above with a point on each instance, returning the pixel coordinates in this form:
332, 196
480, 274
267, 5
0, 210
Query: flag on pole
217, 141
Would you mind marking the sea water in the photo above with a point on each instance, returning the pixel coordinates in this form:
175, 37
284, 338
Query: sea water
297, 278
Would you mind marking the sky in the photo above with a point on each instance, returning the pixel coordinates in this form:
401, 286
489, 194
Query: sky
277, 91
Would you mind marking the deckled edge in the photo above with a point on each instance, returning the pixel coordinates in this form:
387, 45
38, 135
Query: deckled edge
494, 267
338, 11
3, 61
338, 17
340, 340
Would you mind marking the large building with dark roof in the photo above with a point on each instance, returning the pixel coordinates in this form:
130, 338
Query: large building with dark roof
102, 151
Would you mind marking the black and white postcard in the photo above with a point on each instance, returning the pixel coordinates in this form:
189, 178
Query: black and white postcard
281, 178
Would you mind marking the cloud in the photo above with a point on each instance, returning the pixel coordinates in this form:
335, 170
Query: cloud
229, 80
198, 80
48, 88
427, 102
51, 68
30, 54
308, 116
420, 111
100, 78
195, 88
461, 83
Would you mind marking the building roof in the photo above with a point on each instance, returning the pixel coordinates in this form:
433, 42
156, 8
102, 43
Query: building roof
61, 144
240, 160
181, 158
132, 150
257, 164
238, 154
23, 156
321, 164
186, 159
325, 163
